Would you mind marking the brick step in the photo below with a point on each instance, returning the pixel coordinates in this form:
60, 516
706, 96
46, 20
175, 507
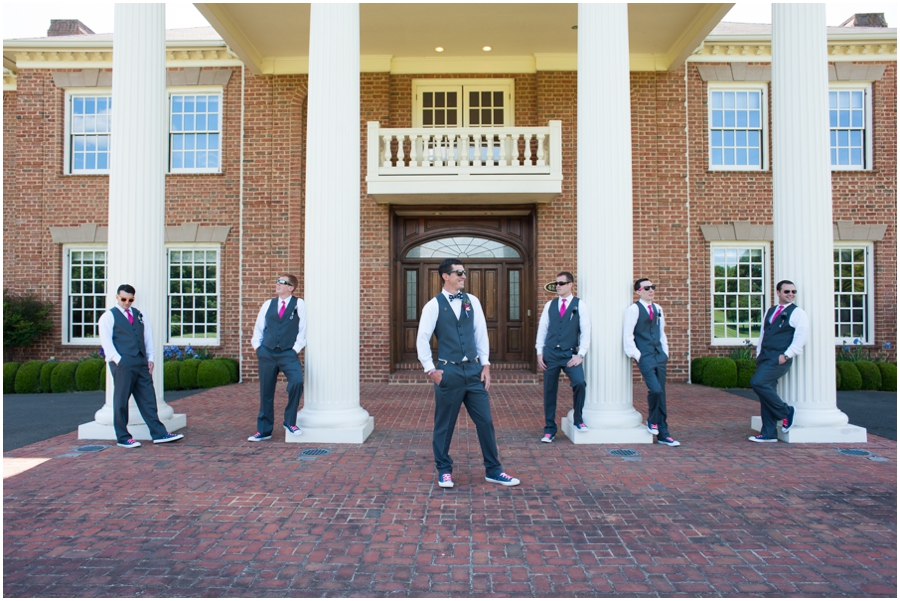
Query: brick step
500, 376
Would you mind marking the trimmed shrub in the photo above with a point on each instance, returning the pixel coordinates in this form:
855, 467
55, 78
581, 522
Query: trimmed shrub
745, 370
850, 378
87, 374
888, 376
25, 319
720, 372
28, 378
837, 378
63, 377
871, 375
48, 368
171, 369
697, 367
234, 370
213, 373
187, 377
9, 376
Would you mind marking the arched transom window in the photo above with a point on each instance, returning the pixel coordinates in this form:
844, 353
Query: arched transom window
464, 247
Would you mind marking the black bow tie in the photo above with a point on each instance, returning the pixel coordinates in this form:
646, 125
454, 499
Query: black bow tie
458, 295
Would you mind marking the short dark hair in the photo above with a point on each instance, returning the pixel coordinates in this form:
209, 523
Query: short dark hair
781, 284
569, 277
126, 288
446, 264
637, 284
290, 277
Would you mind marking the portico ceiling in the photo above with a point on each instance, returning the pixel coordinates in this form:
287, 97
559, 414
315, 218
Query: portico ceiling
274, 38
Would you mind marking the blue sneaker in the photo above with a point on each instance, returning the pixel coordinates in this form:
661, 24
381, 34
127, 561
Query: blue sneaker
652, 428
257, 437
547, 438
504, 479
129, 444
668, 441
292, 430
788, 422
581, 427
168, 438
446, 480
761, 438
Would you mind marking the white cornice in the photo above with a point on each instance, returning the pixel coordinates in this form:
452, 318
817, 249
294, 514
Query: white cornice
94, 58
759, 49
9, 81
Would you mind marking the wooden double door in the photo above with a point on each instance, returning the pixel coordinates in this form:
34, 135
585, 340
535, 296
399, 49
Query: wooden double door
499, 274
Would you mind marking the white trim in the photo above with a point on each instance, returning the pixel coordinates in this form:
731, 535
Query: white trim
869, 130
869, 247
65, 303
766, 276
192, 247
194, 91
763, 88
507, 85
70, 93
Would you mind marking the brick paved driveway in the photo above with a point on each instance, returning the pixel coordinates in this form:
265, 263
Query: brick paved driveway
218, 516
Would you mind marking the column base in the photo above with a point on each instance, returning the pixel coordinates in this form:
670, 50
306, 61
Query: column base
848, 433
97, 431
595, 435
352, 435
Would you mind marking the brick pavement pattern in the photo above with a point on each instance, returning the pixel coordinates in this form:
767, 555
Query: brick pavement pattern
218, 516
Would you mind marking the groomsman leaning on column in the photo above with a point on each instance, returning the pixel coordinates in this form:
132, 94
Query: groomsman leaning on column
563, 339
782, 338
645, 341
127, 343
278, 337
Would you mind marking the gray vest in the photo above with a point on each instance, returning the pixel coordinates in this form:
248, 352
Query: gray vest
280, 333
456, 337
128, 338
563, 332
778, 336
647, 335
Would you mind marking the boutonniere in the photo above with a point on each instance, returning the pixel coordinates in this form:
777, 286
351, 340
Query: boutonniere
572, 314
467, 306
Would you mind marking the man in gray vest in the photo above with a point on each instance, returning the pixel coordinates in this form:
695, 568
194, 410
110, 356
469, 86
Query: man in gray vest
782, 338
644, 337
564, 328
278, 337
463, 373
127, 342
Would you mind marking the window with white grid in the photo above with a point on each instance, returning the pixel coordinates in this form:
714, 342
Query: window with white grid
85, 293
739, 291
89, 125
737, 135
193, 311
195, 122
853, 302
849, 123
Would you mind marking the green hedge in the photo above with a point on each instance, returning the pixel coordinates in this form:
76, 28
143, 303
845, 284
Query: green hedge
46, 371
63, 377
234, 371
871, 375
88, 373
187, 377
745, 370
9, 376
697, 367
28, 378
213, 373
850, 377
720, 372
888, 376
171, 369
837, 378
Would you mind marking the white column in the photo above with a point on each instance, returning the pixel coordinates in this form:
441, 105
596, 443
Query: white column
331, 410
802, 219
605, 243
135, 250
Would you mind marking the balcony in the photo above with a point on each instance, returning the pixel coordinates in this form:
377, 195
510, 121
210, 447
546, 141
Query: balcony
502, 165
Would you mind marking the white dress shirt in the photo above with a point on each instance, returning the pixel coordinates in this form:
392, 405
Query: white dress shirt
107, 322
584, 323
260, 326
428, 322
631, 318
800, 322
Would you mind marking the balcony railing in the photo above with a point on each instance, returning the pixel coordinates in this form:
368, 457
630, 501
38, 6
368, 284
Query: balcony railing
525, 162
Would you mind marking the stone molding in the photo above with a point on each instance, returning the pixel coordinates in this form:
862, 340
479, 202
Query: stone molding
761, 51
756, 73
186, 232
95, 78
848, 230
744, 231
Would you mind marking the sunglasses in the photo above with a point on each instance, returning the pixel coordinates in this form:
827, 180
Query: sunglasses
458, 272
789, 292
126, 300
283, 282
558, 284
653, 287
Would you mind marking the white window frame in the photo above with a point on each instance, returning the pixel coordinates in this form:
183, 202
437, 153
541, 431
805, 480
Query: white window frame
71, 93
869, 335
194, 91
867, 128
763, 89
463, 86
67, 250
766, 276
185, 340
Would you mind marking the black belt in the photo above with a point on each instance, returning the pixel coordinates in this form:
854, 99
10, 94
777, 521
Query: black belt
445, 362
566, 349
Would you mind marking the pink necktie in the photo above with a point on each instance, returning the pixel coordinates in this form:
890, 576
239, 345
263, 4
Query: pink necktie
777, 313
281, 311
562, 309
650, 310
130, 317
